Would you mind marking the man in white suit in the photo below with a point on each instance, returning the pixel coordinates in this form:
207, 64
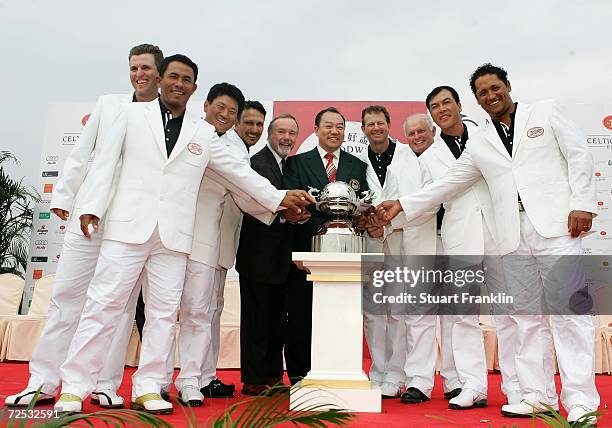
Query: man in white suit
539, 172
216, 232
149, 223
386, 334
463, 358
79, 255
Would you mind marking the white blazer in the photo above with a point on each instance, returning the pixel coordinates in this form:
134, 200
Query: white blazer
462, 226
404, 175
73, 184
551, 167
218, 218
154, 190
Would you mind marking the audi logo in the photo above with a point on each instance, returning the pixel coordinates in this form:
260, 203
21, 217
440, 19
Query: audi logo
41, 242
52, 158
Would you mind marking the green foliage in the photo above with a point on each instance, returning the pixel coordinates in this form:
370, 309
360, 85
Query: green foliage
556, 420
16, 209
269, 409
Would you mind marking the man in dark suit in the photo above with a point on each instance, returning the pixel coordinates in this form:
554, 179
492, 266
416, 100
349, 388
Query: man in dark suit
323, 164
266, 271
315, 168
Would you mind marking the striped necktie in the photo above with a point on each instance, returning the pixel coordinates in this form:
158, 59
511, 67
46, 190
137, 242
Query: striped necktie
330, 168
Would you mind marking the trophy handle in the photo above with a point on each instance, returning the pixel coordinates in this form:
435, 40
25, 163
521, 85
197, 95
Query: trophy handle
367, 196
315, 193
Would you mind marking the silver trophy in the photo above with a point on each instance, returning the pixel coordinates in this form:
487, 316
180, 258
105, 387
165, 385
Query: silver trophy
341, 205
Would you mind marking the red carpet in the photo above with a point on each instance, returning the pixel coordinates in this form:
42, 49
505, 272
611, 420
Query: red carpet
394, 414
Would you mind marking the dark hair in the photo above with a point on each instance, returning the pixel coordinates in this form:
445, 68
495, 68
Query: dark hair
435, 91
255, 105
327, 110
179, 58
485, 69
282, 116
228, 89
146, 48
375, 109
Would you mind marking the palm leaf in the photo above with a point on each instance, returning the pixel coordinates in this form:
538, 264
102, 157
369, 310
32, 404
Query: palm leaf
16, 214
271, 408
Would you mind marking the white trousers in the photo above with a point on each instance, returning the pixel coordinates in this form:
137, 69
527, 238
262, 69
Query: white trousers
532, 279
200, 320
74, 272
386, 339
118, 269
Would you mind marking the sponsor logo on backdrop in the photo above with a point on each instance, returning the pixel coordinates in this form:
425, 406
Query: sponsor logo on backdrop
50, 173
45, 201
42, 230
607, 122
85, 118
70, 138
52, 159
45, 215
604, 141
39, 259
48, 188
37, 273
41, 244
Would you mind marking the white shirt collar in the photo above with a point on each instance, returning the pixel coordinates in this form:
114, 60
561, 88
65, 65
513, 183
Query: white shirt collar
336, 154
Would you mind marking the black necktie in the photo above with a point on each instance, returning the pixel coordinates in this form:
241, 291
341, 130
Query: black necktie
282, 165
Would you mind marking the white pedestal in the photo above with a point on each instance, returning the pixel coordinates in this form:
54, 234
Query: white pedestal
336, 376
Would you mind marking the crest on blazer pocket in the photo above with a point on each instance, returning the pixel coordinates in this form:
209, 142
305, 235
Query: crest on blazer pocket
534, 132
354, 184
194, 148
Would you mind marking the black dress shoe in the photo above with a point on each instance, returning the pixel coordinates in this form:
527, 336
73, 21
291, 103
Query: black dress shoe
272, 381
253, 389
413, 396
452, 394
217, 389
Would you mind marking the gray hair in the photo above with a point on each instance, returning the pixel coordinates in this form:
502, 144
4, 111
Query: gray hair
422, 116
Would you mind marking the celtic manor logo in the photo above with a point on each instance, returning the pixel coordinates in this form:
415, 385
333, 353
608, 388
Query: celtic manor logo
607, 122
535, 132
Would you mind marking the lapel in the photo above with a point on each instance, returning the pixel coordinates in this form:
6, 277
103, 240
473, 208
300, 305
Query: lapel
188, 129
156, 124
406, 165
490, 133
371, 177
442, 152
273, 165
345, 163
315, 165
520, 123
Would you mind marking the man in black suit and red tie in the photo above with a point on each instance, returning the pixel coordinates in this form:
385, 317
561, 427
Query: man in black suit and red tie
316, 168
322, 165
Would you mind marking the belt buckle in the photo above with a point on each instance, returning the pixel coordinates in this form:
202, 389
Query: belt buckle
521, 207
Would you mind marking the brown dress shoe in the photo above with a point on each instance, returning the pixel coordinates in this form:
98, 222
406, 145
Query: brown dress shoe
253, 389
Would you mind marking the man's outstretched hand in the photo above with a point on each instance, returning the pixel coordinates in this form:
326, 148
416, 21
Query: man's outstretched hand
385, 212
86, 220
297, 200
578, 222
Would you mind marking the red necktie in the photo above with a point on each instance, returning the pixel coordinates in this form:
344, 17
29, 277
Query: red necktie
330, 168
